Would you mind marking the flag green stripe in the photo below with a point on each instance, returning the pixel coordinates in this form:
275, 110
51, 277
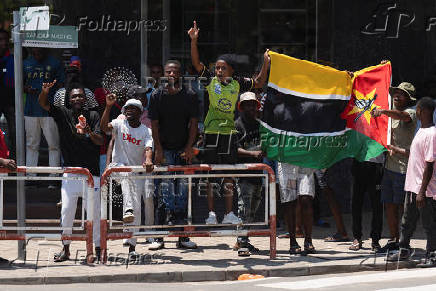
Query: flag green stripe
318, 152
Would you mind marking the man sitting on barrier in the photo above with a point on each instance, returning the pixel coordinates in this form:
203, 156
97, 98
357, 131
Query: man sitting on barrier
174, 120
250, 188
132, 145
80, 148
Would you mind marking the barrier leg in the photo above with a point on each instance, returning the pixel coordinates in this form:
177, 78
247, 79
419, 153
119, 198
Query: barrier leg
103, 240
89, 243
272, 219
272, 237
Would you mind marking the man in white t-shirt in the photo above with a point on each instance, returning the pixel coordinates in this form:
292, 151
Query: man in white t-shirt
133, 144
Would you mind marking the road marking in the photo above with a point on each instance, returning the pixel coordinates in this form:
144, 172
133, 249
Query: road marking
354, 279
415, 288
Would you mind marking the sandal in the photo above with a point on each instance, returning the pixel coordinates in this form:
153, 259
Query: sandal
62, 256
247, 249
356, 245
295, 249
309, 248
244, 252
337, 237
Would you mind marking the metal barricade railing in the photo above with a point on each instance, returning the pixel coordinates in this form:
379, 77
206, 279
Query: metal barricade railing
189, 172
86, 225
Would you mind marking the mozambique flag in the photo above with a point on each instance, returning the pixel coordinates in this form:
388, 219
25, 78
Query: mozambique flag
370, 91
302, 121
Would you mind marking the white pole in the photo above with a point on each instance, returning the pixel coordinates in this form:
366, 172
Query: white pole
19, 121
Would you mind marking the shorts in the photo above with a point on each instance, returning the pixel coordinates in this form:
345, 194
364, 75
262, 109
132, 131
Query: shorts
322, 178
392, 187
295, 181
220, 149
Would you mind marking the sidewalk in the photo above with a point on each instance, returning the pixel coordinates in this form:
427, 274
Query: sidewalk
214, 260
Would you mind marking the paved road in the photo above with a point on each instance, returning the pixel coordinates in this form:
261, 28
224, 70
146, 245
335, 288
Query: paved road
403, 280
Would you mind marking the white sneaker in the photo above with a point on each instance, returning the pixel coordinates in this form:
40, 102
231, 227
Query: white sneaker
212, 218
128, 216
156, 245
186, 244
231, 218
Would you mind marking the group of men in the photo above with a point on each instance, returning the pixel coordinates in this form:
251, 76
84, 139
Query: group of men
158, 125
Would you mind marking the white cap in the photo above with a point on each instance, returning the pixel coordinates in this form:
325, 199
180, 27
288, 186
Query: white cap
133, 102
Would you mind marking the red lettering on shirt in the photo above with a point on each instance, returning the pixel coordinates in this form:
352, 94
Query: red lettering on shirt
129, 138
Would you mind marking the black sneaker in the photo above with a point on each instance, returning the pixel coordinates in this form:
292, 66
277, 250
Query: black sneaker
391, 245
186, 243
401, 255
376, 247
428, 262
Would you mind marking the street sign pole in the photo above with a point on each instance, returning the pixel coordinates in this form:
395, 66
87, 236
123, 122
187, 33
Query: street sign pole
19, 121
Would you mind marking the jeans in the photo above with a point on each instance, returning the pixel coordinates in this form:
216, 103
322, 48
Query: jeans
173, 193
410, 219
367, 178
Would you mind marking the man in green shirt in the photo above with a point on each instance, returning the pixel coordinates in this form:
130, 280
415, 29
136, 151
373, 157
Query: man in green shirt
394, 176
219, 125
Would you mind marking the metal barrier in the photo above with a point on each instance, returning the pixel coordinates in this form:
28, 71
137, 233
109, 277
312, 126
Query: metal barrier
189, 172
86, 225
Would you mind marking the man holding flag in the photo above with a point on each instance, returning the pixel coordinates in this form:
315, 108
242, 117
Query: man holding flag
394, 176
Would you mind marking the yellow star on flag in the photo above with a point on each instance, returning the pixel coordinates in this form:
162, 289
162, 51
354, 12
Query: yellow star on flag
362, 102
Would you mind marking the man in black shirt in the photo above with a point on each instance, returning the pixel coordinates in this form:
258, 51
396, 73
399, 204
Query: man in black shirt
174, 121
80, 148
248, 142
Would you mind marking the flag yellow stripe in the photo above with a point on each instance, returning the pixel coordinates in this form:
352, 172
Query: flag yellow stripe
308, 78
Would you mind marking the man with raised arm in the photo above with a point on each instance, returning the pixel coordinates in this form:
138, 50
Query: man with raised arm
80, 148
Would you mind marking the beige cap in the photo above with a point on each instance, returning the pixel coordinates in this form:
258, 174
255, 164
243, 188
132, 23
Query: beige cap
247, 96
406, 87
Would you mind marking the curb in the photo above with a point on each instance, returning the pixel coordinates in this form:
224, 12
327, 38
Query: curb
199, 276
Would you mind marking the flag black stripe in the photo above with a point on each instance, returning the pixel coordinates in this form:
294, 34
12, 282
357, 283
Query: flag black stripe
302, 115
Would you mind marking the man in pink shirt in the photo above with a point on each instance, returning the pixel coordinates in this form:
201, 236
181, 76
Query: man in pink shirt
420, 186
